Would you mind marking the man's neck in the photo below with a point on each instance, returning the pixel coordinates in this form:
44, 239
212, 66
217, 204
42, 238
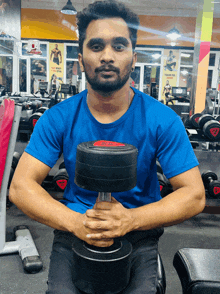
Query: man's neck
109, 107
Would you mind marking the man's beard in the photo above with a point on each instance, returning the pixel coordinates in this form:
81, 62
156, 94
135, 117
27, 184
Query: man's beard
108, 86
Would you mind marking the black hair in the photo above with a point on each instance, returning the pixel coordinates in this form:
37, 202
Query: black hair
107, 9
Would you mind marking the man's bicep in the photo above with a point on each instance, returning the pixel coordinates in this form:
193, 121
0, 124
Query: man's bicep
190, 178
30, 168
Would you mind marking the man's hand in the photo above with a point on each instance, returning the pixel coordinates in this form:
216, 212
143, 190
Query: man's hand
106, 221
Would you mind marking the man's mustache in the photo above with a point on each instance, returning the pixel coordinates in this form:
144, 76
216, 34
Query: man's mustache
107, 68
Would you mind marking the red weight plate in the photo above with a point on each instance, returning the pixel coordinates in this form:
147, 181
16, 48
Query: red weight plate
103, 143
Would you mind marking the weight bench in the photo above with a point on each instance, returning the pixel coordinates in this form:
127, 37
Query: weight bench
161, 277
9, 122
198, 270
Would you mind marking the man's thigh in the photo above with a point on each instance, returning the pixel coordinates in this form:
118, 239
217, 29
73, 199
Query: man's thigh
144, 268
61, 265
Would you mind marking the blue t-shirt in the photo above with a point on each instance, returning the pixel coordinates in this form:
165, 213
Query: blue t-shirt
153, 128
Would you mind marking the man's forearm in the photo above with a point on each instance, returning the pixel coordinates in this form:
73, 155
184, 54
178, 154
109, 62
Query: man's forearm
172, 209
35, 202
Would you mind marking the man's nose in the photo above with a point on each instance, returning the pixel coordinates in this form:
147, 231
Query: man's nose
108, 55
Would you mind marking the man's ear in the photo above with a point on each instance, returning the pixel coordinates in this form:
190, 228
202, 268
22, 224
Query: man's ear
134, 59
80, 59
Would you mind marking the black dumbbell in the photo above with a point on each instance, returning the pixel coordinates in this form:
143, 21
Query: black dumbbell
62, 165
15, 160
211, 183
210, 127
60, 180
33, 119
159, 168
42, 109
194, 119
104, 167
165, 186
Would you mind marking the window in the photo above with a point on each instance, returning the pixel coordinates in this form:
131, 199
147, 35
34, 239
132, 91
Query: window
6, 46
73, 72
23, 75
6, 72
186, 77
212, 59
148, 56
38, 73
186, 58
72, 52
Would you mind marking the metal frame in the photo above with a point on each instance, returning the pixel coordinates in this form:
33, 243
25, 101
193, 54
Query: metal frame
24, 243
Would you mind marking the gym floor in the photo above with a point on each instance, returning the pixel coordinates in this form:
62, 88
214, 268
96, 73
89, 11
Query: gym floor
202, 231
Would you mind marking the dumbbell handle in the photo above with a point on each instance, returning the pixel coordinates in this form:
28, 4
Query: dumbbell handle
104, 196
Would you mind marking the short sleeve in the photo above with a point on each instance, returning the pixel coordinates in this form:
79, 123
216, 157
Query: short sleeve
174, 150
46, 140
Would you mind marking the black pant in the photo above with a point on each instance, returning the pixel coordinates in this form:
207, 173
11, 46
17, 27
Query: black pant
143, 263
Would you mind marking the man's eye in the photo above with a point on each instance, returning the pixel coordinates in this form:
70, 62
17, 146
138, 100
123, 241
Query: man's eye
119, 47
96, 47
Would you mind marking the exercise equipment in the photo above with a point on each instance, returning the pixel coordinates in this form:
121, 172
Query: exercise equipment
60, 180
165, 186
42, 109
62, 165
211, 183
206, 126
198, 270
34, 118
23, 243
194, 119
159, 168
104, 167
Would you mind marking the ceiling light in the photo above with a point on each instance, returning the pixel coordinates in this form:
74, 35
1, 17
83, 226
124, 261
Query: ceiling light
69, 9
173, 44
185, 55
173, 34
156, 56
184, 72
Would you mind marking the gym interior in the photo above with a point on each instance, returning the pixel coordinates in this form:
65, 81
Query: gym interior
178, 63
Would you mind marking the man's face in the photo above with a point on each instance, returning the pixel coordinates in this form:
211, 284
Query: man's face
56, 46
107, 57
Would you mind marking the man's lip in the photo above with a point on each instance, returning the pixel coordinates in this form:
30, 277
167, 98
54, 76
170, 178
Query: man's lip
107, 71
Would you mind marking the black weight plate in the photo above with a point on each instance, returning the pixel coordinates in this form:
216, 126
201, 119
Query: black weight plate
101, 155
194, 119
10, 177
207, 175
214, 189
100, 185
211, 130
102, 172
159, 168
34, 118
16, 157
101, 270
218, 118
204, 119
62, 165
42, 109
161, 179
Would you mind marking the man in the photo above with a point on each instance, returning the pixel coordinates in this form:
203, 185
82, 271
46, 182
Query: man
56, 54
171, 62
109, 110
167, 90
